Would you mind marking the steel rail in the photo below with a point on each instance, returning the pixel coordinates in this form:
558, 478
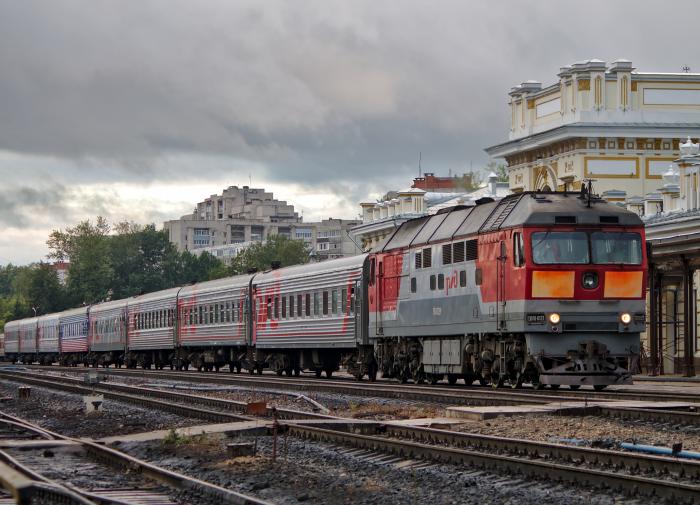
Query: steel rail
513, 446
523, 466
444, 398
472, 394
43, 488
150, 397
175, 408
686, 468
169, 478
385, 390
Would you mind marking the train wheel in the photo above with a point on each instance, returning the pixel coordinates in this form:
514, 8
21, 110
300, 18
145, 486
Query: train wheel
452, 379
297, 372
574, 387
599, 387
329, 374
518, 382
251, 371
260, 370
372, 375
434, 379
318, 373
554, 386
279, 372
497, 384
536, 384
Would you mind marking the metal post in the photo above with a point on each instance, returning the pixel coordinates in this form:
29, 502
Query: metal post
660, 324
653, 318
275, 426
688, 329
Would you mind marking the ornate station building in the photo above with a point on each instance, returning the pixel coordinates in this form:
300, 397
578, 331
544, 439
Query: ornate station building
608, 123
635, 135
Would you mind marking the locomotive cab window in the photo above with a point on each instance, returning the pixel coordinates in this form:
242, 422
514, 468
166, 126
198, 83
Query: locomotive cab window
554, 247
441, 281
518, 258
414, 285
616, 247
432, 283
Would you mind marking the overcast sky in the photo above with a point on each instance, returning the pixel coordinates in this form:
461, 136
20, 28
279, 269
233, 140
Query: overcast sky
139, 109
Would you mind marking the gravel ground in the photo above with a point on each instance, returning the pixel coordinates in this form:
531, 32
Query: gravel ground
596, 431
318, 474
65, 414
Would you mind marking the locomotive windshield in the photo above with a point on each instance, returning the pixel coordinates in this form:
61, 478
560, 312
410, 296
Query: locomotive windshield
616, 247
559, 247
549, 248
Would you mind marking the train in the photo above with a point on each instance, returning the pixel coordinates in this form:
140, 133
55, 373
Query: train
546, 288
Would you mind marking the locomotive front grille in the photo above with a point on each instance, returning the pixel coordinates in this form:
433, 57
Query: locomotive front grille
591, 326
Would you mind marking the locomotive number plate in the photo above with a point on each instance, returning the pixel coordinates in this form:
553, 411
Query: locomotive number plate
535, 319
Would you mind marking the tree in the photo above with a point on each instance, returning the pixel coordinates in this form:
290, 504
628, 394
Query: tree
45, 293
469, 181
499, 169
87, 247
277, 248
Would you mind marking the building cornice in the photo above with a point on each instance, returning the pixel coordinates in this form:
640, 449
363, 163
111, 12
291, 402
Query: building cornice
577, 130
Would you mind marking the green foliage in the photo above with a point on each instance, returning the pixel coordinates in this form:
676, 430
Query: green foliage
45, 293
126, 260
260, 256
469, 181
499, 169
87, 247
28, 288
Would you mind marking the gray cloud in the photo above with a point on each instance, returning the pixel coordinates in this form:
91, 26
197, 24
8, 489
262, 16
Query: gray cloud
310, 89
338, 95
20, 206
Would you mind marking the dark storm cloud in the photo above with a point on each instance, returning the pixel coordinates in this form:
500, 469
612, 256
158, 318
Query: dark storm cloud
19, 206
310, 92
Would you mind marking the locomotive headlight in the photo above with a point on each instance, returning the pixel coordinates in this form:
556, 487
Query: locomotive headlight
554, 318
625, 318
590, 280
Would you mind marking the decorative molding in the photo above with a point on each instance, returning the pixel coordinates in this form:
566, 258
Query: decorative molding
647, 163
588, 173
690, 94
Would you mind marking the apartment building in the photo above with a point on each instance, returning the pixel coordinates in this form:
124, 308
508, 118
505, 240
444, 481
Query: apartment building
227, 223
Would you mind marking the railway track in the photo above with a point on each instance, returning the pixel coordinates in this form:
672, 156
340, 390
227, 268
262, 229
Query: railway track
472, 393
672, 479
567, 467
26, 485
413, 393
